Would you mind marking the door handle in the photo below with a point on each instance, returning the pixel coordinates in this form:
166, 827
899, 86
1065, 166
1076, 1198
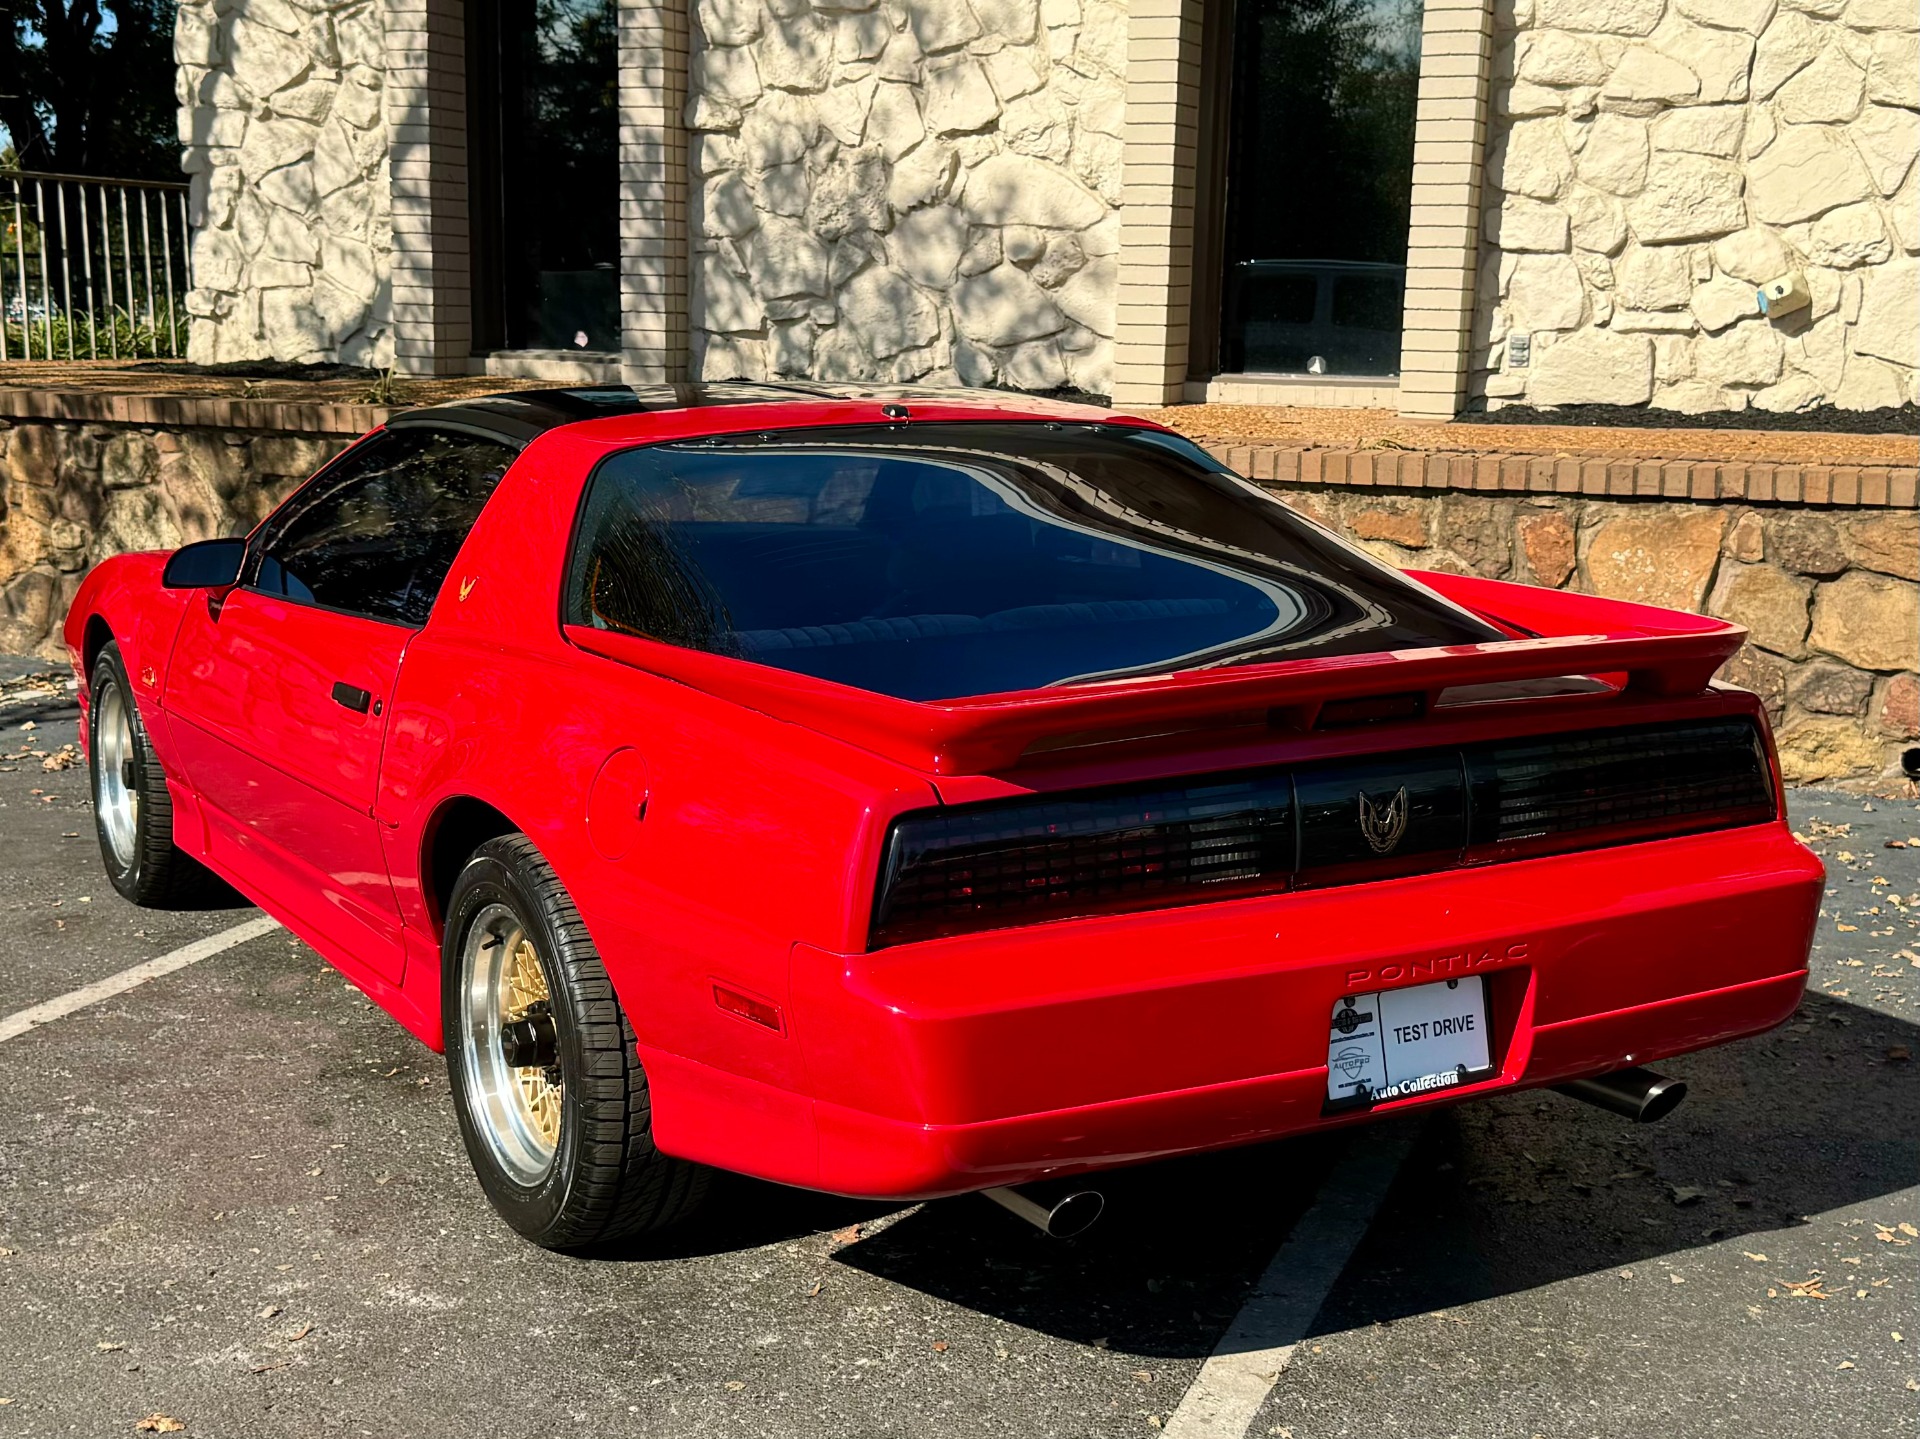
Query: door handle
358, 700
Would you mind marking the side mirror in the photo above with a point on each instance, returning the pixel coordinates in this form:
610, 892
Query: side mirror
205, 565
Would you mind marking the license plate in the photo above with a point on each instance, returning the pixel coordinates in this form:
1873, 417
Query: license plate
1399, 1042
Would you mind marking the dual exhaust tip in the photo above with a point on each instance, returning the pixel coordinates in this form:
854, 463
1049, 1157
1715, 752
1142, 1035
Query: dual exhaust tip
1060, 1211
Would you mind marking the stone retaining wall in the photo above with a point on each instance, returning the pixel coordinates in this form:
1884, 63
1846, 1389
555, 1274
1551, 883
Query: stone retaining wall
1653, 161
75, 493
907, 192
1829, 596
1830, 591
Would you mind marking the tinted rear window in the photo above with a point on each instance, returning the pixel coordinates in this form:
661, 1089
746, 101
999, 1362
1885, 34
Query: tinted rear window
935, 561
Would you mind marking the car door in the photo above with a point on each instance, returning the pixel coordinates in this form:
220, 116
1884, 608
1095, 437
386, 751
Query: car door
278, 688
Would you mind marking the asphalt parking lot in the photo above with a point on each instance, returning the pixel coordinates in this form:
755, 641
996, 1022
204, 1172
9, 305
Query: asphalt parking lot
234, 1198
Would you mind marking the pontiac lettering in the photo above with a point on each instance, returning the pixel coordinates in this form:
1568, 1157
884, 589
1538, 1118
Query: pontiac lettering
1461, 962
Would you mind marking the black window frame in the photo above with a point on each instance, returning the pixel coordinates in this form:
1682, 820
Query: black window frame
275, 524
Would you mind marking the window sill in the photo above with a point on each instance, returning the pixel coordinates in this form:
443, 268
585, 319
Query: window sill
593, 367
1362, 392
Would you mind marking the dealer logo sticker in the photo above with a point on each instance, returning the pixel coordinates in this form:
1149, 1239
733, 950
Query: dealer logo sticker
1384, 827
1347, 1019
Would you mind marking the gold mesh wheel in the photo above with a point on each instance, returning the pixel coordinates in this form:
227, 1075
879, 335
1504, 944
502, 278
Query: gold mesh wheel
510, 1045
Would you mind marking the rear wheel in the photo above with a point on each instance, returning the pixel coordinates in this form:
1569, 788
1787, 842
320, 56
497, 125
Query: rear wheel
132, 811
547, 1082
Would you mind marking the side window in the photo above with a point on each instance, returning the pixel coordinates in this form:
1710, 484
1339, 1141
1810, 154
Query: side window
376, 533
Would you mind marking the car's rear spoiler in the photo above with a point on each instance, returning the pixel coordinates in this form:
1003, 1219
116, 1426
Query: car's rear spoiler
1651, 651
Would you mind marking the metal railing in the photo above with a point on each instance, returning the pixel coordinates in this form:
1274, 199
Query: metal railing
92, 268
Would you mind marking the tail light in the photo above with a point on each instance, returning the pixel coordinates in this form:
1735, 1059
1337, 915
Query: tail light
1014, 862
1019, 862
1663, 780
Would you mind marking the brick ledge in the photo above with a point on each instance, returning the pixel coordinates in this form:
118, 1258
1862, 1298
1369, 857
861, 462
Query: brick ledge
1609, 477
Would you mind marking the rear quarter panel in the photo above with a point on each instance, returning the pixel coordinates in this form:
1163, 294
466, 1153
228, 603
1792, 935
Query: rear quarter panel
756, 833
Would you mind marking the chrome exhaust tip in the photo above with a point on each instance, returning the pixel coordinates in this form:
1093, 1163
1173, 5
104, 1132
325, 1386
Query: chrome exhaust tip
1058, 1216
1639, 1094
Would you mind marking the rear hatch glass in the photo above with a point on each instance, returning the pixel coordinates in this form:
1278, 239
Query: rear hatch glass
935, 561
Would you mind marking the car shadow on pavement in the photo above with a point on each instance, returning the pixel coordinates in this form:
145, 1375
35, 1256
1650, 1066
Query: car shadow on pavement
1496, 1197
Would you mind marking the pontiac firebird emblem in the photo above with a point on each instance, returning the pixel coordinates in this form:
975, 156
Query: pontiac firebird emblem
466, 585
1383, 827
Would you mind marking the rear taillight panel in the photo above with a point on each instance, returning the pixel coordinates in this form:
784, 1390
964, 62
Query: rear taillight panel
986, 866
1562, 785
964, 868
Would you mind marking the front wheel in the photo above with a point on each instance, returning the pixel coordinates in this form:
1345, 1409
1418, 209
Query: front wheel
132, 810
546, 1079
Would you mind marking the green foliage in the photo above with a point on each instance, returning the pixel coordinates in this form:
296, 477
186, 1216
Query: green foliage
86, 86
387, 389
109, 333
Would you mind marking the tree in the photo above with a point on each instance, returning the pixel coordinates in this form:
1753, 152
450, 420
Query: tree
86, 86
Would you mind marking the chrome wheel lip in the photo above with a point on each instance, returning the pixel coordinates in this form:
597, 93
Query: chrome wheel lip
115, 801
497, 1093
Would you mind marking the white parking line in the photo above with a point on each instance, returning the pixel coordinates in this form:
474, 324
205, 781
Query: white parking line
1247, 1362
18, 1023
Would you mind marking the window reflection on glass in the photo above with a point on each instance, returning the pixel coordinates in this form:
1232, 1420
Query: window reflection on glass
1320, 174
559, 174
976, 558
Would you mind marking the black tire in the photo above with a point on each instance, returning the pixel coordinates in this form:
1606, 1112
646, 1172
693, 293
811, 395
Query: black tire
145, 865
606, 1181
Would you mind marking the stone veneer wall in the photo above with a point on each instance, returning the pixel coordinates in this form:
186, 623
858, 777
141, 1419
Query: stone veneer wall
286, 148
907, 190
1653, 160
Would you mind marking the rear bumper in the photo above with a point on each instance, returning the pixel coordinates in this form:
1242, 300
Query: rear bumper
992, 1059
865, 1153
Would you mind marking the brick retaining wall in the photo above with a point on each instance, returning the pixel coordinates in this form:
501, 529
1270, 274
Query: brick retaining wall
1821, 563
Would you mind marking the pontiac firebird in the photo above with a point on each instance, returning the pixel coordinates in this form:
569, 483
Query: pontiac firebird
907, 794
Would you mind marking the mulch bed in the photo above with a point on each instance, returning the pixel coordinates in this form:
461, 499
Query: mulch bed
1899, 420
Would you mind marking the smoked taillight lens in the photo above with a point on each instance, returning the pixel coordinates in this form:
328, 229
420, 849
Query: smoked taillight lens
1649, 779
985, 866
1336, 822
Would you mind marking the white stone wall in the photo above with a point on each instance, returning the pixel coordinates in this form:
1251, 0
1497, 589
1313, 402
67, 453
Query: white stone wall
907, 190
286, 146
1654, 160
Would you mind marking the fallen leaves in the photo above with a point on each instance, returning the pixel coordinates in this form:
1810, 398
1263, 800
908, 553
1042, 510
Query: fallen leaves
1684, 1195
1809, 1288
847, 1235
1890, 1235
1756, 1258
159, 1424
939, 1346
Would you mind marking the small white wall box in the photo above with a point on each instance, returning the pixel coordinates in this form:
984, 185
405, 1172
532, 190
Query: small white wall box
1784, 295
1519, 349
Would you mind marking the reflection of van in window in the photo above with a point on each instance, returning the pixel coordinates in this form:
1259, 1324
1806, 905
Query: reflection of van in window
1281, 313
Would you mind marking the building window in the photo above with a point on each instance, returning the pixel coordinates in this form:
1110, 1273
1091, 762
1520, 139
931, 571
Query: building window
1319, 179
544, 125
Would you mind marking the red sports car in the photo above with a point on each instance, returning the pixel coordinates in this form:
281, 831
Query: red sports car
907, 794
